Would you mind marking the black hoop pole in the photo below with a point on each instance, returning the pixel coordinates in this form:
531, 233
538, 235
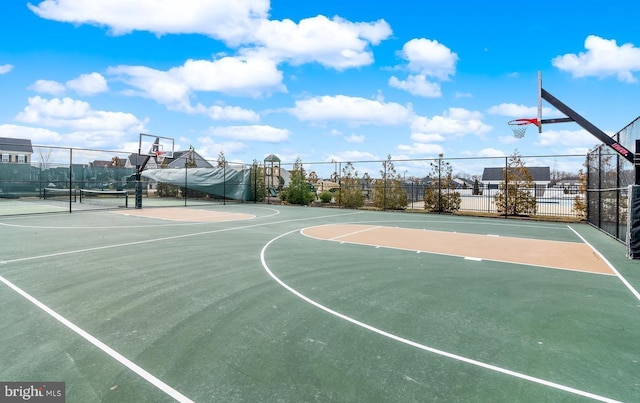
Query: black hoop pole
588, 126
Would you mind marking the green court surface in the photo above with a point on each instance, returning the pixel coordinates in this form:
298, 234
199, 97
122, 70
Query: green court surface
125, 308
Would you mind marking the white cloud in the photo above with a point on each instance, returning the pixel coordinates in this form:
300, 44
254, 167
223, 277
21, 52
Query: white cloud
356, 111
426, 59
490, 152
417, 85
355, 138
430, 58
88, 84
522, 111
218, 112
453, 122
5, 68
96, 138
90, 138
210, 148
48, 87
154, 84
569, 138
578, 151
55, 108
347, 156
230, 21
85, 84
335, 43
37, 135
239, 76
262, 133
420, 149
514, 110
76, 115
603, 58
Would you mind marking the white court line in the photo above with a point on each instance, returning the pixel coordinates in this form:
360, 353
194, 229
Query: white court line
111, 352
120, 358
155, 225
624, 280
460, 256
421, 346
354, 232
120, 245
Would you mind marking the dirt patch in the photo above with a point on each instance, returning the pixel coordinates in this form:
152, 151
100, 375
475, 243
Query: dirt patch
186, 214
553, 254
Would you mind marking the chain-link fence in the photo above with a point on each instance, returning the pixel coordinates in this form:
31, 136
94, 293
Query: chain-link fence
551, 186
45, 179
608, 179
54, 179
49, 179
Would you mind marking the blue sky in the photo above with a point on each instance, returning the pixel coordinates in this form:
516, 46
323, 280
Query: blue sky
319, 80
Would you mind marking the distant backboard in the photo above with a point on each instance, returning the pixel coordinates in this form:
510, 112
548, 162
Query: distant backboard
156, 146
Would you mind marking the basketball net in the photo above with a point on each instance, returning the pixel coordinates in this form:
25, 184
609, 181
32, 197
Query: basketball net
160, 156
519, 126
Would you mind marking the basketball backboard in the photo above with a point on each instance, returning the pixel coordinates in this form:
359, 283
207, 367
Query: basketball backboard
155, 146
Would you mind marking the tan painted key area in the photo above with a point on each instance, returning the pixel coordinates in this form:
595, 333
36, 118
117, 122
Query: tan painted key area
186, 214
536, 252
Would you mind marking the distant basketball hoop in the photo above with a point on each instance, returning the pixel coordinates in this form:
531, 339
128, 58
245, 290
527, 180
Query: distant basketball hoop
519, 126
160, 155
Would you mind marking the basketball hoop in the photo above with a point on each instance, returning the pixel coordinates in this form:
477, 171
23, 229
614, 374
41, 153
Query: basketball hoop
519, 126
160, 155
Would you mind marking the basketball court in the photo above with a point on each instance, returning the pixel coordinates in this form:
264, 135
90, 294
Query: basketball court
252, 302
282, 303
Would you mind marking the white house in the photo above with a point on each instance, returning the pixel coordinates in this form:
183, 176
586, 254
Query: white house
493, 177
15, 150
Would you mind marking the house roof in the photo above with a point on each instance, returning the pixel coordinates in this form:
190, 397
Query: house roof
100, 163
176, 162
179, 158
469, 182
17, 145
539, 174
135, 159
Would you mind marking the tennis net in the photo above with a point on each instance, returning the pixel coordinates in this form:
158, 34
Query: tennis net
105, 198
60, 194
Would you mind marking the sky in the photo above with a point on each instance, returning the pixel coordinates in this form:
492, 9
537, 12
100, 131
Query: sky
322, 81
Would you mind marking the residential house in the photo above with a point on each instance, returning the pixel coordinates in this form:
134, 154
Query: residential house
101, 164
493, 177
15, 150
463, 183
181, 158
